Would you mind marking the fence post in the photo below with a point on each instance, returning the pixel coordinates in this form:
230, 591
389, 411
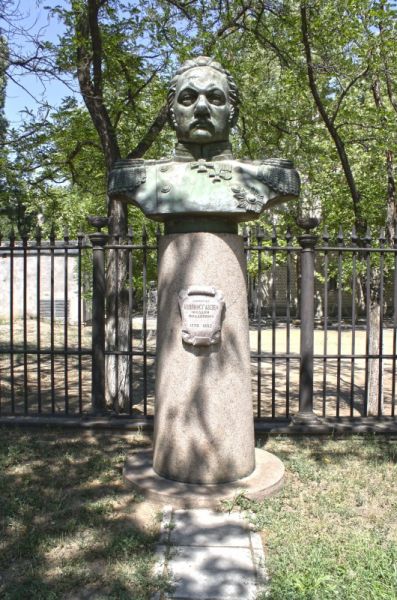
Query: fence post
307, 242
98, 241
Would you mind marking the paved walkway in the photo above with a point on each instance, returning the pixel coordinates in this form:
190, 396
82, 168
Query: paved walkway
210, 556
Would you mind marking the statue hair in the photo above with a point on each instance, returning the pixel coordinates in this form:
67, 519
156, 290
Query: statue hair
203, 61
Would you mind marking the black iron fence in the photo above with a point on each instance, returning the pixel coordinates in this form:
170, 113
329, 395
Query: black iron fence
323, 326
37, 351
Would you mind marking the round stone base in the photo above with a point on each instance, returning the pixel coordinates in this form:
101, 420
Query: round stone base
265, 480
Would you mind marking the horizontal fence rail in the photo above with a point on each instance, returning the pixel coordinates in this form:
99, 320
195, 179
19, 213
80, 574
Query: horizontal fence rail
323, 326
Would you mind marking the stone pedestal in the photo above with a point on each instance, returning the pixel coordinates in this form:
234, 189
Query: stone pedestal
265, 480
204, 430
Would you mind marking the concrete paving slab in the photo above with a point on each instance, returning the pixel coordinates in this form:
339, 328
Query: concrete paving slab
208, 572
258, 555
210, 555
208, 528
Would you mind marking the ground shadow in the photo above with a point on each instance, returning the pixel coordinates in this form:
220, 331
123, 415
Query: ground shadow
70, 529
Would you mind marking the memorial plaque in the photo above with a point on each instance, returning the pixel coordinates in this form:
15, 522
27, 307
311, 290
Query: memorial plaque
201, 310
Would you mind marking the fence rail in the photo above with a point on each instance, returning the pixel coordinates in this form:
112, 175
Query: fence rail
323, 327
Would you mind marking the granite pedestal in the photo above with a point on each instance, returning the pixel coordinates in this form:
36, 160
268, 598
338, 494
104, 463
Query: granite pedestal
204, 429
204, 446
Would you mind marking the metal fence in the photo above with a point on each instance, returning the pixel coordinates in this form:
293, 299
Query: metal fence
323, 325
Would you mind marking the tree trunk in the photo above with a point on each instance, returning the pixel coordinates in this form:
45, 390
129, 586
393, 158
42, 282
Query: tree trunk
89, 58
117, 313
89, 73
391, 218
373, 400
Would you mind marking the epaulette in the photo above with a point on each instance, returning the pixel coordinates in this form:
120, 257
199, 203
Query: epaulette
126, 175
279, 174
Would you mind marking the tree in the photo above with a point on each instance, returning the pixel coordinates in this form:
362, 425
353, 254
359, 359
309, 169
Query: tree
321, 82
316, 78
103, 46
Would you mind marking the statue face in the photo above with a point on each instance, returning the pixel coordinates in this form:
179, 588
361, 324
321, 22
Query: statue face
202, 106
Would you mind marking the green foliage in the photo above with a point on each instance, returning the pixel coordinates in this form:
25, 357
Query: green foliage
354, 53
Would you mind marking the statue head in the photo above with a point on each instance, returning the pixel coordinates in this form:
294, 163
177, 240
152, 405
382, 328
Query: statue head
202, 101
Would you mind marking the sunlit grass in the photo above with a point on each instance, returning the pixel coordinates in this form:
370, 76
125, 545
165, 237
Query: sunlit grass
71, 530
69, 527
331, 533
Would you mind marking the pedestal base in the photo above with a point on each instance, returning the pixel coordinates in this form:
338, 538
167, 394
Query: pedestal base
265, 480
204, 426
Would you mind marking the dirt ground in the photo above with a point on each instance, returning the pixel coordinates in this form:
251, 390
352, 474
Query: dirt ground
63, 379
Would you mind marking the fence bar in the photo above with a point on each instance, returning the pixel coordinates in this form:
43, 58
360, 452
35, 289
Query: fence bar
274, 242
116, 241
144, 323
354, 240
245, 234
288, 238
98, 241
38, 318
325, 308
70, 351
393, 393
340, 287
259, 237
12, 372
79, 322
159, 233
307, 243
382, 241
52, 318
1, 380
25, 325
367, 242
130, 317
1, 362
65, 322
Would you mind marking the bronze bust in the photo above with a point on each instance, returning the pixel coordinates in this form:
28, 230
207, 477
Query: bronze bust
203, 187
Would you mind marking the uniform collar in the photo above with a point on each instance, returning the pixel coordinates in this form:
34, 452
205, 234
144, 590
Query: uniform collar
185, 152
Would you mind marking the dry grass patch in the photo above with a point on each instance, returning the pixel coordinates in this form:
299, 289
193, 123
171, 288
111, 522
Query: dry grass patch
69, 529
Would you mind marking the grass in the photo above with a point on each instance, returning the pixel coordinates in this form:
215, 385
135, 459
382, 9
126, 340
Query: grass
68, 527
331, 533
70, 530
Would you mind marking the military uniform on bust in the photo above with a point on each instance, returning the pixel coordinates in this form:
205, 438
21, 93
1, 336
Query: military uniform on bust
203, 177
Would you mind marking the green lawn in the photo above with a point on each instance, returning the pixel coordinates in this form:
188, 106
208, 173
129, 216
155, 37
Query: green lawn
68, 527
331, 533
70, 530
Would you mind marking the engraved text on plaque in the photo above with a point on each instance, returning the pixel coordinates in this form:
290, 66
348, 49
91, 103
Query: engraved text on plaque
201, 310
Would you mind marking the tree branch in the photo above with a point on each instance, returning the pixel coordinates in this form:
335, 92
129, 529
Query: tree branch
346, 91
96, 44
243, 132
151, 134
92, 91
80, 145
388, 80
132, 95
339, 145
